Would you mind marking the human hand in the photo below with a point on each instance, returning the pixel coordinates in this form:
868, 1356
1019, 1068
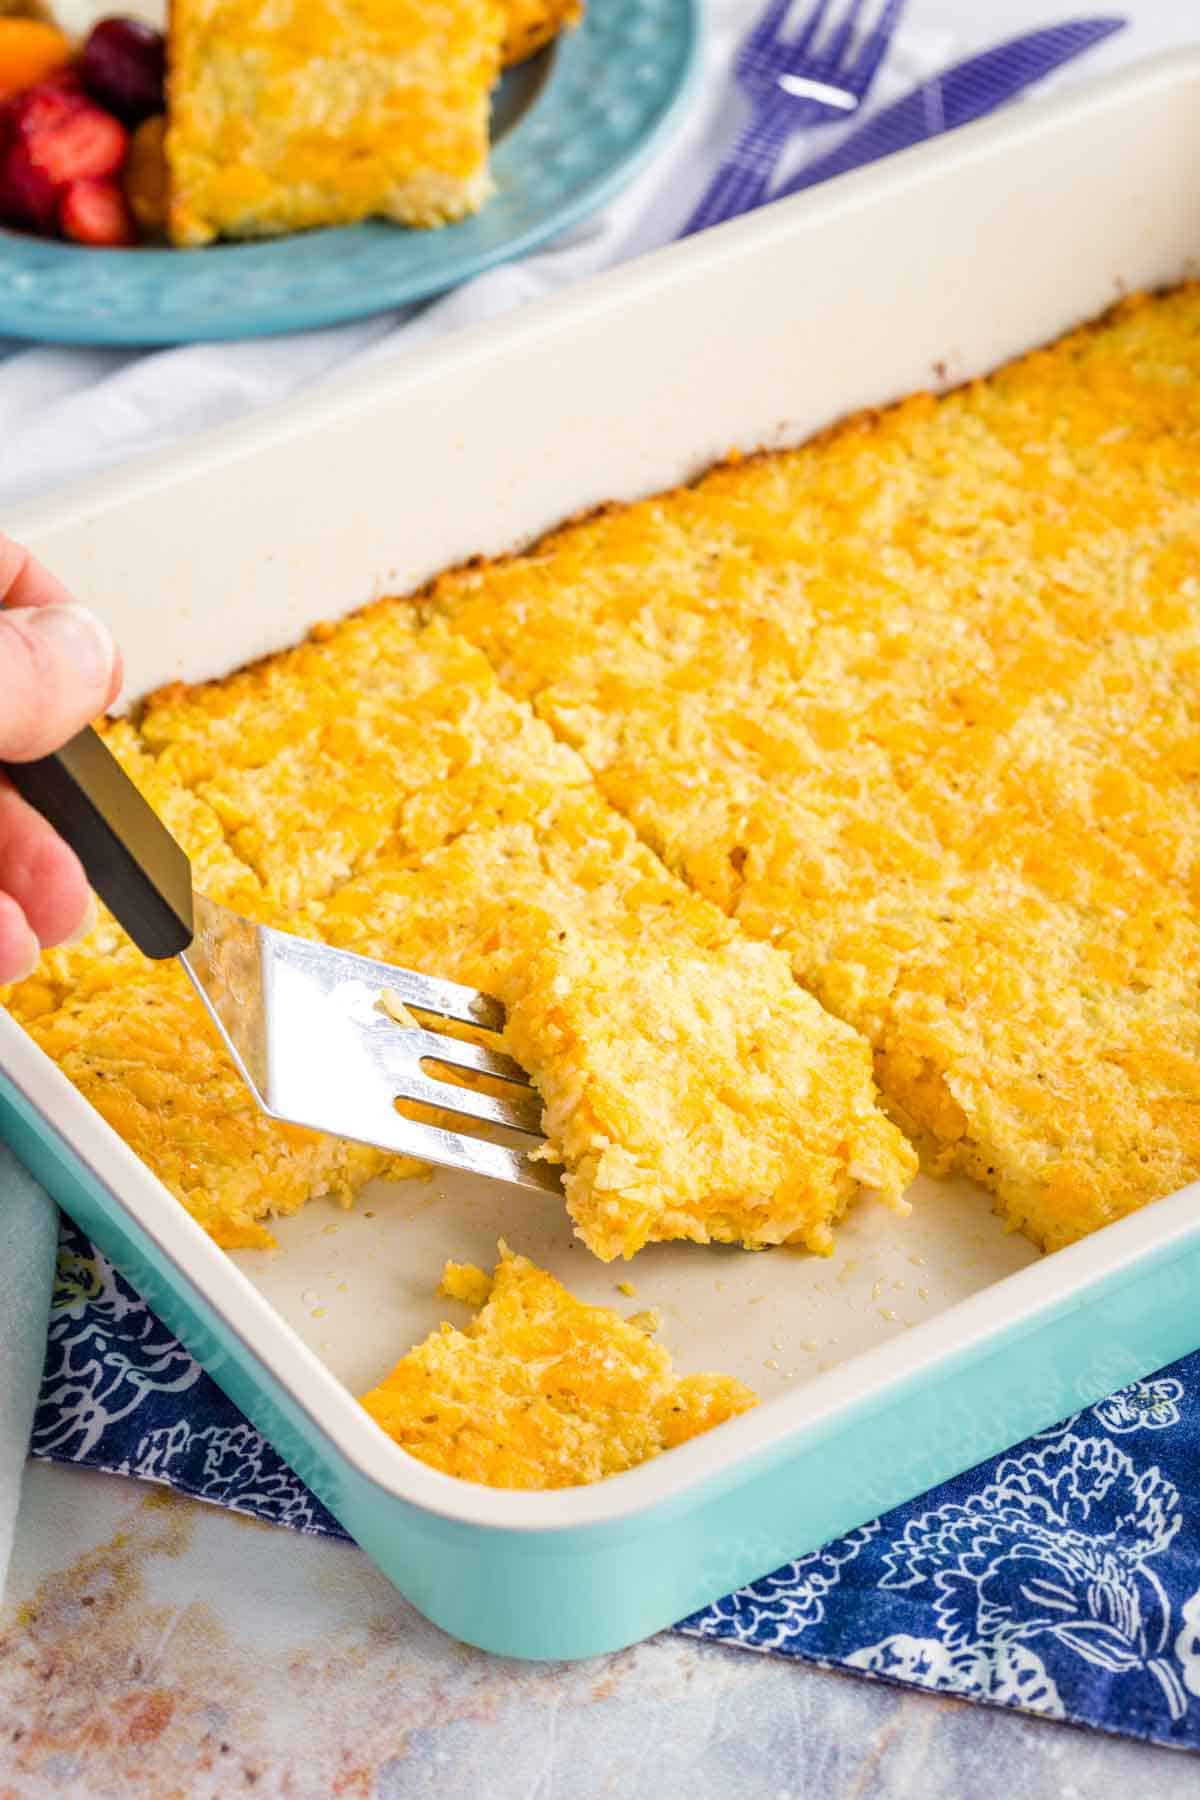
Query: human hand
59, 669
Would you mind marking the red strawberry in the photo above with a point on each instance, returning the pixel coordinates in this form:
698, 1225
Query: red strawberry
28, 194
48, 103
93, 210
81, 141
50, 135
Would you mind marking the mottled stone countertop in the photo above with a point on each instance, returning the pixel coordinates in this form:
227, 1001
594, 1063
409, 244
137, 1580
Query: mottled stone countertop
152, 1646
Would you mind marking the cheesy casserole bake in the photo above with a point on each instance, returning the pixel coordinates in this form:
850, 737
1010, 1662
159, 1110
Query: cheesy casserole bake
378, 788
884, 746
919, 704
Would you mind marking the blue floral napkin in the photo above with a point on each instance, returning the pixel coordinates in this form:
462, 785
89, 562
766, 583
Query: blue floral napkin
1062, 1577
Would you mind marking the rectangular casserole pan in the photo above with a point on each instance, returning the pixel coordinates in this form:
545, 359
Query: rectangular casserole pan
923, 1346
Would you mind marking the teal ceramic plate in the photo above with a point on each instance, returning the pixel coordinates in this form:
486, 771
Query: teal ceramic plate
569, 129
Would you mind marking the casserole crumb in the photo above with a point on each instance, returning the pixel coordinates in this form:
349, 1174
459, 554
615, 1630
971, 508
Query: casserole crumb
541, 1391
529, 25
396, 1010
465, 1282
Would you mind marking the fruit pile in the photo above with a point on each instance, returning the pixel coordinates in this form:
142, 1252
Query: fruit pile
81, 131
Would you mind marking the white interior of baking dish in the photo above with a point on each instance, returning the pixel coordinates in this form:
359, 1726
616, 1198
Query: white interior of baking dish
922, 271
358, 1286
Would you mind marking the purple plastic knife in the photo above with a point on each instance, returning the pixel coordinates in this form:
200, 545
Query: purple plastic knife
956, 96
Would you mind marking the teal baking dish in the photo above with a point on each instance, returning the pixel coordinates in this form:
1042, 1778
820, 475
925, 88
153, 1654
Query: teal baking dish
923, 1345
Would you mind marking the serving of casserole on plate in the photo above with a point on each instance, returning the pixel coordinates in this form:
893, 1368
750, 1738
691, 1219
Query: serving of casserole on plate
838, 802
284, 118
266, 141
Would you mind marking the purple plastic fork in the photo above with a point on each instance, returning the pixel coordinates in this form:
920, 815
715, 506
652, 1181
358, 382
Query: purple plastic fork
783, 77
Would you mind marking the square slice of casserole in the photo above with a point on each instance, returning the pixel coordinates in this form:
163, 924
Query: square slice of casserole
287, 114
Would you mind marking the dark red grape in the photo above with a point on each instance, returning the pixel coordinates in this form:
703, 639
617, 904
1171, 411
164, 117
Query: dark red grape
123, 65
28, 196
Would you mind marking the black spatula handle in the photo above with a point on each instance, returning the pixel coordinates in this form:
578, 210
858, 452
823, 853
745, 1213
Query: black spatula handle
139, 871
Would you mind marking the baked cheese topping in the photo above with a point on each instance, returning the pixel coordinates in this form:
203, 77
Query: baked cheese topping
918, 704
376, 788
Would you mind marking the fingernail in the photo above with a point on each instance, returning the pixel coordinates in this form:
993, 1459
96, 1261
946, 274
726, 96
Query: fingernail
86, 925
79, 638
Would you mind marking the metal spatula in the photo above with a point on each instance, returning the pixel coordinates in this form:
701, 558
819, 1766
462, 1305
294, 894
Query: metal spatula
308, 1027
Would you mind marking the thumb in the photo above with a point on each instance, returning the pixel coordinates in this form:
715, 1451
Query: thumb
56, 673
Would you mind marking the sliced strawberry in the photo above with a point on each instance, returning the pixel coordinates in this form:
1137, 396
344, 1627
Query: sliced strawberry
93, 210
82, 143
28, 197
49, 103
50, 135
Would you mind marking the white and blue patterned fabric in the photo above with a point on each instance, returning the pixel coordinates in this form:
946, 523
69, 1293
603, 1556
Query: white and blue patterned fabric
1062, 1577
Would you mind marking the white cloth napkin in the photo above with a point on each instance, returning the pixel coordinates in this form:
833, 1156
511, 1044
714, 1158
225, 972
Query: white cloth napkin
68, 412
